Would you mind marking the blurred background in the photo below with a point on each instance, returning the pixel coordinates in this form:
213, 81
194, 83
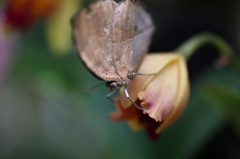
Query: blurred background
43, 115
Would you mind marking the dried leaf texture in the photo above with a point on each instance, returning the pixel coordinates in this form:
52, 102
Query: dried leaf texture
112, 38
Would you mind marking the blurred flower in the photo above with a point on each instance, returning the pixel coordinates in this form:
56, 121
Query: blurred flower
58, 26
165, 94
21, 14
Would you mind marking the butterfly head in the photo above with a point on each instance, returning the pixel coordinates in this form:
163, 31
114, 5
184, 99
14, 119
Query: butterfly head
113, 85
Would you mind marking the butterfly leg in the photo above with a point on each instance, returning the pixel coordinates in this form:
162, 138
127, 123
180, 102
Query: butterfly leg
131, 74
112, 93
127, 95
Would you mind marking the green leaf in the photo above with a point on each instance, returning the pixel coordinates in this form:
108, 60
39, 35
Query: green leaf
224, 98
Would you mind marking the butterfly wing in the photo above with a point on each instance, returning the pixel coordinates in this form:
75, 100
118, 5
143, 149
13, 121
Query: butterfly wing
112, 38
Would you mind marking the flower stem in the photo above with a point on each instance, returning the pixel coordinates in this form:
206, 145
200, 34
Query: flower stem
190, 46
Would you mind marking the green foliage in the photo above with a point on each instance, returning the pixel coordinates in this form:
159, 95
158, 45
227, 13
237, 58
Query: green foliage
225, 99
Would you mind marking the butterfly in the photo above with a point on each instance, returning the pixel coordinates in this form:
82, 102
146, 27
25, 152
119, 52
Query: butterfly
112, 38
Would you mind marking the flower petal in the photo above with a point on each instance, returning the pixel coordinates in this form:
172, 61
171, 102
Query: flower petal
160, 94
181, 99
130, 114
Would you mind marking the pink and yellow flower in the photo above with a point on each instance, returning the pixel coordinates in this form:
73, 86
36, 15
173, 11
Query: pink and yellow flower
164, 94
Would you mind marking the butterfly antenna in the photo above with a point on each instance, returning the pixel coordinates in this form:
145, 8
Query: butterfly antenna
90, 88
127, 95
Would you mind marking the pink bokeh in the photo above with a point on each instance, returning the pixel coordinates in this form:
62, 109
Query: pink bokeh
7, 45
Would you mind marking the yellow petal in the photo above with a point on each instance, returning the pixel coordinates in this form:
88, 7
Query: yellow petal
58, 26
134, 124
181, 99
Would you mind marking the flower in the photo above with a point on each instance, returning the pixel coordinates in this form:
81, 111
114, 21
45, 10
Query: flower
21, 14
164, 94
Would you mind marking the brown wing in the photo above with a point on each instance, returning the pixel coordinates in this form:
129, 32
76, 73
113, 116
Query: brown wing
108, 37
132, 31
